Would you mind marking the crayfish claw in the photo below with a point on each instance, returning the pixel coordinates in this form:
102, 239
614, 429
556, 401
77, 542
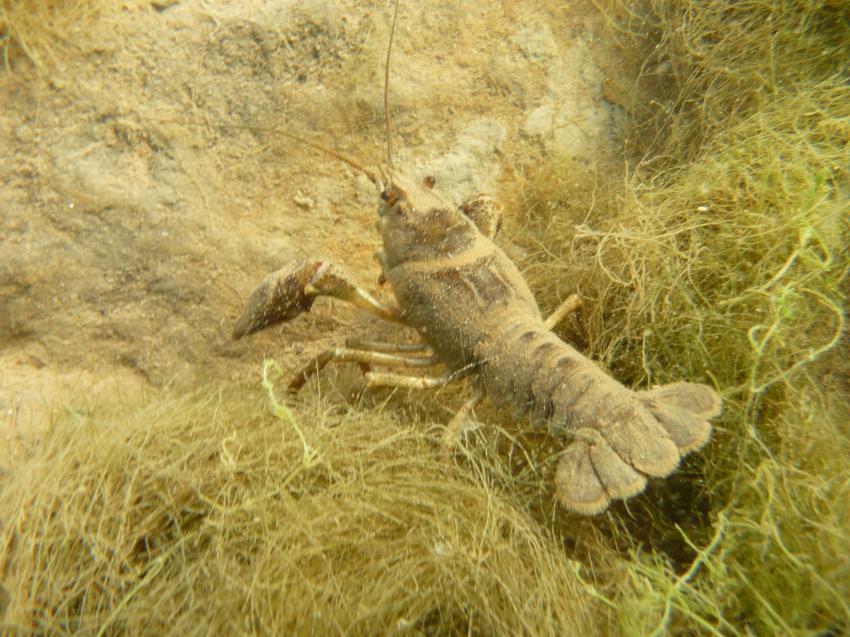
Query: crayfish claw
280, 297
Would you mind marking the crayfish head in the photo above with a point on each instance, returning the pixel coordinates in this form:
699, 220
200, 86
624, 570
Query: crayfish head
417, 224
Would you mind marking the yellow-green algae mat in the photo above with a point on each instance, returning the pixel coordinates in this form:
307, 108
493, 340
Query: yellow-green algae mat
207, 515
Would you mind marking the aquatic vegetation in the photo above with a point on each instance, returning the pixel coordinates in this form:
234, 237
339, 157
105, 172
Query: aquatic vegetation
204, 513
39, 29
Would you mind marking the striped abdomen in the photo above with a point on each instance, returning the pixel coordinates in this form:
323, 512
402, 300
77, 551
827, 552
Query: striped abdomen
542, 378
620, 436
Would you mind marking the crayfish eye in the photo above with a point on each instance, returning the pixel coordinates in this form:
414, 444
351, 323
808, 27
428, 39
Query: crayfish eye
390, 197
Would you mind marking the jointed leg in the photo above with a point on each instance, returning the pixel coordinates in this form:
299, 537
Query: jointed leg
571, 304
452, 432
392, 348
365, 357
331, 280
377, 379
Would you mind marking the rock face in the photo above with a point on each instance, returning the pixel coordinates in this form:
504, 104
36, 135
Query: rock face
148, 181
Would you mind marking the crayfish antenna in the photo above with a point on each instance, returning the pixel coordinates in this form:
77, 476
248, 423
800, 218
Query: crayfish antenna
381, 177
387, 112
336, 155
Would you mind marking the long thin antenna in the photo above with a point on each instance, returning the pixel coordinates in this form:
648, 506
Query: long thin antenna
278, 131
387, 91
336, 155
